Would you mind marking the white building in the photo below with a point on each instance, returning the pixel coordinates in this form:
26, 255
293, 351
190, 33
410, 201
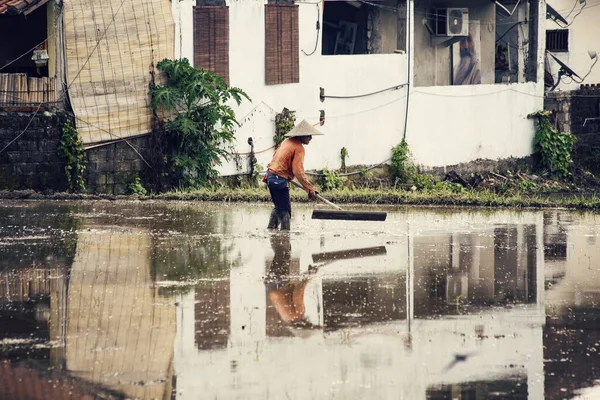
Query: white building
571, 42
371, 88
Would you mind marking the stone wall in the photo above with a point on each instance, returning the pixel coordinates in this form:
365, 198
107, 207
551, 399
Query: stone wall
31, 161
111, 168
559, 103
578, 112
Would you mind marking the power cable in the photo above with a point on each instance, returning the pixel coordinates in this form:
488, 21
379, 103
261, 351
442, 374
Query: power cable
509, 29
24, 130
396, 87
318, 30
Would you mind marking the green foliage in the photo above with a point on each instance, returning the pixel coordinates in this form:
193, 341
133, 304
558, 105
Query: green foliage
553, 146
343, 155
136, 187
446, 186
502, 187
284, 123
423, 181
198, 121
402, 170
70, 147
331, 180
527, 186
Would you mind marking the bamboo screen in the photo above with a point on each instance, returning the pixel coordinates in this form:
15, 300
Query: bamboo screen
211, 40
112, 47
282, 54
19, 89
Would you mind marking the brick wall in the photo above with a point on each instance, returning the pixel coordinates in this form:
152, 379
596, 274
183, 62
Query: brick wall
31, 161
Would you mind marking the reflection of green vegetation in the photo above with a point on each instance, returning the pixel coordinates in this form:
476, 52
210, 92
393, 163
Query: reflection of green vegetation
197, 253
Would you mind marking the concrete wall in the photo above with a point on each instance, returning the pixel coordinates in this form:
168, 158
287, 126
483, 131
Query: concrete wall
446, 125
31, 161
453, 124
368, 127
583, 36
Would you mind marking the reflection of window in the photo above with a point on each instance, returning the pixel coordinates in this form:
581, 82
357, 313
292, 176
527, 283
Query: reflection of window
557, 40
211, 40
354, 27
282, 62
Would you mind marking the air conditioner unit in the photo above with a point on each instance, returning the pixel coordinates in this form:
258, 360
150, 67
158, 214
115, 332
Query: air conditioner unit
451, 21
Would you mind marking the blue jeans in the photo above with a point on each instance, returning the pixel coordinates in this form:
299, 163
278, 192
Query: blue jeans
280, 193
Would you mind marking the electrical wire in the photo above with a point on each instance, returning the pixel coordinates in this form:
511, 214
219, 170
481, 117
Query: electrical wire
318, 30
509, 29
24, 130
396, 87
408, 30
572, 9
575, 16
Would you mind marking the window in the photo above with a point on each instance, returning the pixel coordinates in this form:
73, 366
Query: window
557, 40
211, 39
282, 53
377, 27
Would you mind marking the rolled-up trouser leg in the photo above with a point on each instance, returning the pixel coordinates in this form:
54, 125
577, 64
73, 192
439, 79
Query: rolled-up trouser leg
284, 217
273, 220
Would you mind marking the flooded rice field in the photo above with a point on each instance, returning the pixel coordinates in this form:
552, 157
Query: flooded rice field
197, 301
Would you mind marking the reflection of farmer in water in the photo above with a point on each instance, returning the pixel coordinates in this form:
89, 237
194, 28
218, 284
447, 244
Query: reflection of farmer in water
467, 72
285, 294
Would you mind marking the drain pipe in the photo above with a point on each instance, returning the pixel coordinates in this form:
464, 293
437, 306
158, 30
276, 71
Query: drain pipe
409, 53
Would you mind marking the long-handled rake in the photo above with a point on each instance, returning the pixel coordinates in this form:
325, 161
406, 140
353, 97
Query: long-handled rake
342, 214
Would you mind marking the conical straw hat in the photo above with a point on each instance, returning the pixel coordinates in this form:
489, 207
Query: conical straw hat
304, 128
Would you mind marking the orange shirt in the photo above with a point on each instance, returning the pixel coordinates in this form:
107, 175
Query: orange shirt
288, 162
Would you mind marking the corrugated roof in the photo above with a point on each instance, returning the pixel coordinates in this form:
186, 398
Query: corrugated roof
16, 7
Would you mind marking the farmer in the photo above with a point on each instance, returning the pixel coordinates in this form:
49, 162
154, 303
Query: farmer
287, 164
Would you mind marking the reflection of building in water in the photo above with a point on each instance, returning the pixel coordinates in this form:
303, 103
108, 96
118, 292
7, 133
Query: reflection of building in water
120, 332
392, 324
555, 246
494, 266
212, 314
572, 331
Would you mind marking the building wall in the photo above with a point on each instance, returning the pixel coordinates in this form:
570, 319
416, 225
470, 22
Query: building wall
31, 161
446, 125
350, 123
454, 124
583, 36
111, 168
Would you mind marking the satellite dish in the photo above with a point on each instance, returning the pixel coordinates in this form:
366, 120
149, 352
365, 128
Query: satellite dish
552, 14
564, 67
564, 70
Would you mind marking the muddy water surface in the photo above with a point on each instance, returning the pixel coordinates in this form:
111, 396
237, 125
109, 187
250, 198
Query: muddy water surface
200, 301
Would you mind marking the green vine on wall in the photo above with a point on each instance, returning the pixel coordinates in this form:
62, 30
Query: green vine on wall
284, 123
70, 147
402, 169
554, 147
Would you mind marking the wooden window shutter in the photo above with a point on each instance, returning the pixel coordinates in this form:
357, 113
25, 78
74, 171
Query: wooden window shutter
211, 40
282, 58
